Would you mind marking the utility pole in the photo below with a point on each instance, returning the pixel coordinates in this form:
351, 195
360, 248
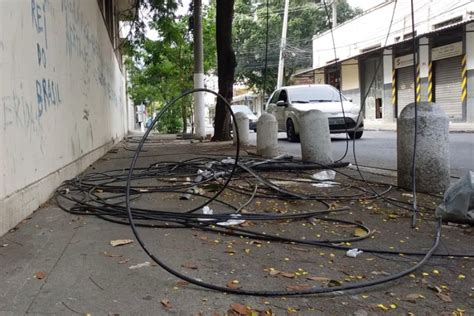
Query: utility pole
199, 109
334, 13
281, 64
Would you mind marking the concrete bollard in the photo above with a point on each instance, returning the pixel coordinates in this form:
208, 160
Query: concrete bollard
267, 136
432, 147
315, 137
242, 122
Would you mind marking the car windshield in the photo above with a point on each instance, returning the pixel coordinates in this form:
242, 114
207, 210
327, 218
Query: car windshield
241, 108
314, 94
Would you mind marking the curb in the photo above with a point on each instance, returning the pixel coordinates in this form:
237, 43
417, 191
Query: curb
382, 129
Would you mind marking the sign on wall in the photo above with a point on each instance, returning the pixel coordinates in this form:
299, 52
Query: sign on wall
446, 51
403, 61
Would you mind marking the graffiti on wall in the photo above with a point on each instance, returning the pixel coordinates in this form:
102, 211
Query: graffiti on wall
83, 44
18, 111
47, 89
26, 108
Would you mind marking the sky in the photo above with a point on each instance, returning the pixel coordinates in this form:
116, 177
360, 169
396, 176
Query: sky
363, 4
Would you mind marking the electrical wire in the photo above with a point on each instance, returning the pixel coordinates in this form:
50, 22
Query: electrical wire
345, 287
112, 182
415, 132
103, 194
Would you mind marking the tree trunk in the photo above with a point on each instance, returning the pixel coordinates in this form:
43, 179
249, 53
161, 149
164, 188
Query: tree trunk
226, 64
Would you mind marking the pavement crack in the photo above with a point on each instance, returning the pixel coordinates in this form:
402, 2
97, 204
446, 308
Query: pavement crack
51, 271
71, 309
95, 283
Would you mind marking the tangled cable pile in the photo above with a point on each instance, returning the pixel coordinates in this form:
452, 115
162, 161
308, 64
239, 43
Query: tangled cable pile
103, 194
117, 196
121, 196
201, 181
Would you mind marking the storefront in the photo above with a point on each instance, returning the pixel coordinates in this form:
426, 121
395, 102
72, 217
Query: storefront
405, 83
447, 65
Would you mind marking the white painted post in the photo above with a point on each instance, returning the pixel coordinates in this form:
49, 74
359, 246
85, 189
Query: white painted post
281, 63
199, 108
334, 13
315, 137
242, 122
388, 114
267, 136
424, 52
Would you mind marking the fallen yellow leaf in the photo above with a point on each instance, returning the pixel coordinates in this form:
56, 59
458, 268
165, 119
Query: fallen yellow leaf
359, 232
382, 307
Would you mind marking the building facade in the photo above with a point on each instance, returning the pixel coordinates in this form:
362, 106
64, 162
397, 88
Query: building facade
374, 64
62, 95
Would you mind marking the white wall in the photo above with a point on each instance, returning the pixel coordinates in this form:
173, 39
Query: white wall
371, 28
62, 98
319, 77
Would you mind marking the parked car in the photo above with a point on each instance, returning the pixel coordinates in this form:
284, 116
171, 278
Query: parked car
246, 110
288, 103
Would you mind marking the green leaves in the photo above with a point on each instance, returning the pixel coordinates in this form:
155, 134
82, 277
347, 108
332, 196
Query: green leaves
162, 69
305, 19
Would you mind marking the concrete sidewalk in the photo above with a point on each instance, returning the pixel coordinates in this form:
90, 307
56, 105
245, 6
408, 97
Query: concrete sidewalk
57, 263
380, 125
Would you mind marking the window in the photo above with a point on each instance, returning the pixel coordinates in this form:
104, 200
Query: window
107, 8
274, 98
315, 94
283, 96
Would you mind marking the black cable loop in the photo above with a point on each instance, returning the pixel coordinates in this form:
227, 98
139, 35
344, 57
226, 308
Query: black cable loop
238, 291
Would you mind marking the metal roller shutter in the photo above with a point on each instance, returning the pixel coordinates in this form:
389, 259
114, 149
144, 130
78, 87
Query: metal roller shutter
447, 86
405, 88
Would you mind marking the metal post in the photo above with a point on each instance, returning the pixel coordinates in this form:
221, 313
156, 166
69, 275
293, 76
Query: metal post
199, 109
281, 64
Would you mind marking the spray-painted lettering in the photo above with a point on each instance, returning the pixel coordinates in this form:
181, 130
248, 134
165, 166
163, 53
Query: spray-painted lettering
38, 16
18, 112
41, 55
47, 90
47, 95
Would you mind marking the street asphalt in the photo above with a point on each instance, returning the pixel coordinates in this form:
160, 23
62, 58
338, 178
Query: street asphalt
378, 149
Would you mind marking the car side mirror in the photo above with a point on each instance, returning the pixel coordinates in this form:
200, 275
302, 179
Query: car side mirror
281, 103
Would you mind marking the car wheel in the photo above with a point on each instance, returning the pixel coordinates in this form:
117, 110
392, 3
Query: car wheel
356, 135
290, 132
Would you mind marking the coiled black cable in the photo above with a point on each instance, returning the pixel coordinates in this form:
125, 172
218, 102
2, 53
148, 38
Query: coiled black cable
239, 291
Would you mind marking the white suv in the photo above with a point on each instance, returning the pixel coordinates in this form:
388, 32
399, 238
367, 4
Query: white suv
287, 104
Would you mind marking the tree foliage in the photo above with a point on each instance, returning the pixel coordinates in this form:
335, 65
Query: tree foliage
162, 69
305, 19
